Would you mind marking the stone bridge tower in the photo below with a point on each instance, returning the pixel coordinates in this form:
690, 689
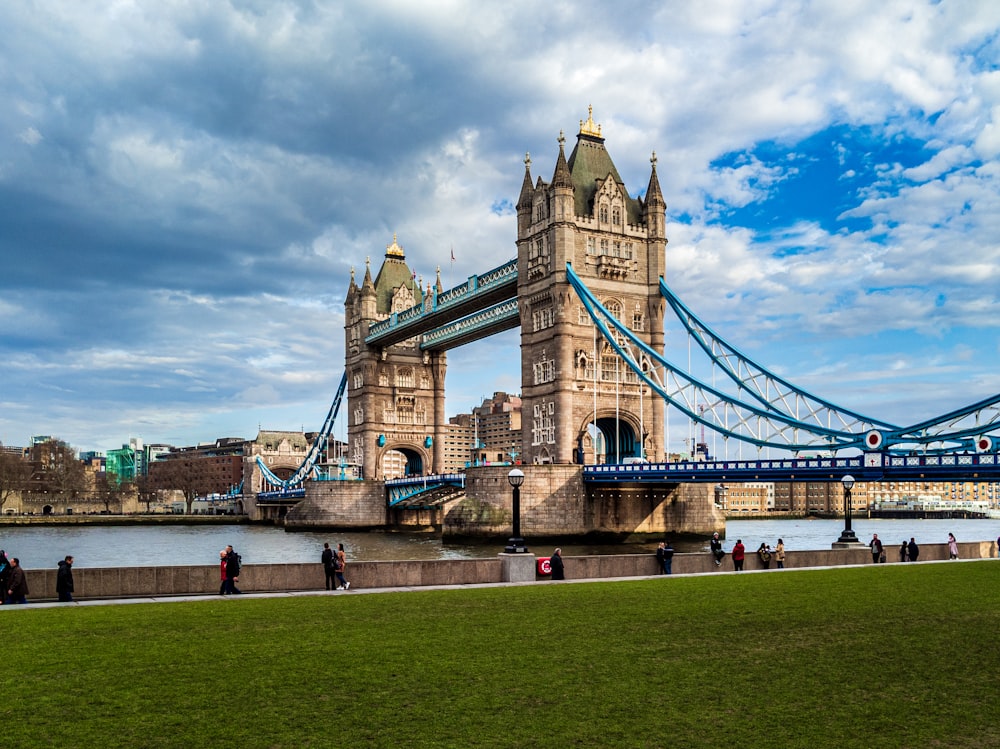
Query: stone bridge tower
581, 404
395, 394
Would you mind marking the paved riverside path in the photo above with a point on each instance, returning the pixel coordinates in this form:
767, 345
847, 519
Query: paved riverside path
415, 588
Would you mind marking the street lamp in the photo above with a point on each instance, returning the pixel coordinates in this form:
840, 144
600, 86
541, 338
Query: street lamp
847, 536
515, 545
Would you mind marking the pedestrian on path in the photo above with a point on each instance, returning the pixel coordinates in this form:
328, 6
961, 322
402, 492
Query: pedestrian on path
64, 580
17, 591
223, 588
952, 547
668, 558
876, 546
233, 565
329, 568
4, 576
904, 551
556, 563
340, 560
764, 554
739, 553
779, 554
912, 549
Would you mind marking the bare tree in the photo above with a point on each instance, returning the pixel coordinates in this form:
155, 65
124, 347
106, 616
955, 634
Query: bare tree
146, 490
179, 474
56, 469
15, 473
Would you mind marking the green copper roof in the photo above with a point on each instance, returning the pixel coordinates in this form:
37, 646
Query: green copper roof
590, 162
393, 274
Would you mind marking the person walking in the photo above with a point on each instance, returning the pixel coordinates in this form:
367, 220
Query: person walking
739, 553
340, 561
764, 554
779, 554
64, 580
17, 584
952, 547
717, 552
876, 546
904, 551
223, 588
233, 564
329, 568
556, 563
4, 576
912, 550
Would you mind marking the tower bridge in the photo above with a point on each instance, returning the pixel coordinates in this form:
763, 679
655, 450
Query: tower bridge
586, 290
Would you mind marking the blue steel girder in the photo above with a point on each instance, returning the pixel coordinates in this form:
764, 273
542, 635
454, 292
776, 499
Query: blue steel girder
308, 465
774, 392
487, 322
476, 294
725, 414
869, 467
401, 491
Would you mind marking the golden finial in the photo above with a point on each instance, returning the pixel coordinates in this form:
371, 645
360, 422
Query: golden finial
588, 127
394, 250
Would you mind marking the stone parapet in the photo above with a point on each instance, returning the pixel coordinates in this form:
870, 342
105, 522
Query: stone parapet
144, 582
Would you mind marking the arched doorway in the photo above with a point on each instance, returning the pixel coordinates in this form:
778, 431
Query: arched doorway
608, 440
402, 461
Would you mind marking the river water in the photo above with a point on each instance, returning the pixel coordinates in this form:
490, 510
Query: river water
165, 546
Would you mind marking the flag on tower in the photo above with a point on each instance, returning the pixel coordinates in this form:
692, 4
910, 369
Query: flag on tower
453, 254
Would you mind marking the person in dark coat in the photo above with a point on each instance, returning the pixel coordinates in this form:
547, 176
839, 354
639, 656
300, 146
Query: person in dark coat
329, 567
556, 562
232, 571
668, 557
64, 580
4, 576
739, 553
913, 549
717, 552
17, 585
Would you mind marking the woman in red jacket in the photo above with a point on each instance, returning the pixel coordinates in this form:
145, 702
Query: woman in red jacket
739, 552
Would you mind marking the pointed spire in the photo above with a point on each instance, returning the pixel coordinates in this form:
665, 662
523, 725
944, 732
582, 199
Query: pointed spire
437, 283
524, 199
368, 286
561, 177
653, 195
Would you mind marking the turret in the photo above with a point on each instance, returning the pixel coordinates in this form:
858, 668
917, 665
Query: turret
655, 206
367, 294
526, 199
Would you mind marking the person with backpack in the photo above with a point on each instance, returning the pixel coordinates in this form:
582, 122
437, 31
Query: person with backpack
340, 560
329, 566
233, 563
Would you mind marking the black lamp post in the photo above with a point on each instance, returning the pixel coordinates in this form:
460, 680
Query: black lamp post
515, 545
847, 536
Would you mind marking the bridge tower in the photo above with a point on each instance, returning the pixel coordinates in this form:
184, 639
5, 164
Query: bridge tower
580, 403
395, 394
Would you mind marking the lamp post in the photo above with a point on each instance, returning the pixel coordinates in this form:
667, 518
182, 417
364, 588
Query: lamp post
515, 545
847, 536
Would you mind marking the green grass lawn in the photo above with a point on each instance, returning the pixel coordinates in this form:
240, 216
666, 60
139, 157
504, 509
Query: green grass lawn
880, 656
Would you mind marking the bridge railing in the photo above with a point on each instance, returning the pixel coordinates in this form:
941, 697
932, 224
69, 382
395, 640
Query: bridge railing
870, 466
471, 287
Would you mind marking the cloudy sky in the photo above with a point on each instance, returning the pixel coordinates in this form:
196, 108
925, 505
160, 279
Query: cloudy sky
185, 186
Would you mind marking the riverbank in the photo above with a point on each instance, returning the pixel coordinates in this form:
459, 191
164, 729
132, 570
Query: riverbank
104, 520
141, 581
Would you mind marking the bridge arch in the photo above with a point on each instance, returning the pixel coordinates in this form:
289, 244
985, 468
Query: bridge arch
609, 438
416, 460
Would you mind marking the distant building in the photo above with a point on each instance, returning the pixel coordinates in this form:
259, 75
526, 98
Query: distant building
491, 433
208, 468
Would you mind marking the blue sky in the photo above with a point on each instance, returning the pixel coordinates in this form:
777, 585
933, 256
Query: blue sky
184, 188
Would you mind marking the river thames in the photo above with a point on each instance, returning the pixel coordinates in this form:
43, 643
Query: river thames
184, 545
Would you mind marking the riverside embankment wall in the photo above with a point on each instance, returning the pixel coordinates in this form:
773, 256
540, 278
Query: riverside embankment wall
140, 582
